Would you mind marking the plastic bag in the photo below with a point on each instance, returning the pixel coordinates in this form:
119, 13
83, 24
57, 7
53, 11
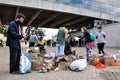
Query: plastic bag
78, 65
25, 63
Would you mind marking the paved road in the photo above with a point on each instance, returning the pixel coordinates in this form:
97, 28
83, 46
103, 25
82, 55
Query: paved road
90, 73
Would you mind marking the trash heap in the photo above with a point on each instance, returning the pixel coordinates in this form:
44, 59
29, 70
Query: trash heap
103, 61
45, 62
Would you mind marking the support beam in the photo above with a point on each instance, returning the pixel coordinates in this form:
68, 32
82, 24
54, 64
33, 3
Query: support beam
49, 19
77, 21
34, 17
17, 11
62, 21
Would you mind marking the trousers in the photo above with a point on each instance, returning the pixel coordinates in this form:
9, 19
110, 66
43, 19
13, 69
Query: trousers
14, 59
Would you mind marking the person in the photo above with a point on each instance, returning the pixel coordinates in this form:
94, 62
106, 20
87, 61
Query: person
41, 44
100, 40
33, 39
14, 36
88, 42
68, 50
41, 41
62, 35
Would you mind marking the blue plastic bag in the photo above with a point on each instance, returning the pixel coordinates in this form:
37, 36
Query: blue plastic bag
25, 63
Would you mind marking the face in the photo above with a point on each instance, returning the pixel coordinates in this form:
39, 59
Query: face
99, 30
21, 20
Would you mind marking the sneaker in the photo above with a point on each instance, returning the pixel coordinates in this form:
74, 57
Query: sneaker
100, 54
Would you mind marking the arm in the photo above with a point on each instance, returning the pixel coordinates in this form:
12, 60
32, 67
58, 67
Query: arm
104, 35
96, 37
66, 33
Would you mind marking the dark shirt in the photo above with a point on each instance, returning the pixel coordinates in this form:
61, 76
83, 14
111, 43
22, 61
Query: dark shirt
87, 37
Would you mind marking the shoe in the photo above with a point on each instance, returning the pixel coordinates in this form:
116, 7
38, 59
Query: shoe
104, 54
100, 54
15, 72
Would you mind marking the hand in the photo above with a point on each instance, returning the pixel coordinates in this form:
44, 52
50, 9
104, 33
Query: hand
22, 40
96, 42
105, 42
68, 35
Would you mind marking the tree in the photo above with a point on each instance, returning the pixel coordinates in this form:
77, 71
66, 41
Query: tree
40, 32
3, 30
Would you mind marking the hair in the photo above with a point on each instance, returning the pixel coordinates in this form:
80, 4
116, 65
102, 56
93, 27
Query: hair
20, 15
41, 37
99, 27
84, 28
67, 26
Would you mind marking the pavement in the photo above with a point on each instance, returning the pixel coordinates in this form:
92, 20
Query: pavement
90, 73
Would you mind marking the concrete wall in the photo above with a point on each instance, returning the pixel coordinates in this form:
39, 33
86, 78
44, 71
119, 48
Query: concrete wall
112, 34
42, 4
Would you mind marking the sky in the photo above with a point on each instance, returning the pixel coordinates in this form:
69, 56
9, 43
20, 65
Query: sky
49, 32
93, 5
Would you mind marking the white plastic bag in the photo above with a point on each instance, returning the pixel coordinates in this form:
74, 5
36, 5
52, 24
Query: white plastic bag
25, 63
79, 64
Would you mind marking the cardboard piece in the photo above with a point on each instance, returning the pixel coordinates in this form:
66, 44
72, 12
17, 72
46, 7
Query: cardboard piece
109, 61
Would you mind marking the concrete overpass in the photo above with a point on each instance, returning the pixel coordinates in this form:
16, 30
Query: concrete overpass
43, 13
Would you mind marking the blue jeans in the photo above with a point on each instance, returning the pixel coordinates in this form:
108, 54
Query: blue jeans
59, 49
88, 51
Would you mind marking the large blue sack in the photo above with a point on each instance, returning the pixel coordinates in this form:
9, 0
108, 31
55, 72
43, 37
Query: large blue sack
25, 63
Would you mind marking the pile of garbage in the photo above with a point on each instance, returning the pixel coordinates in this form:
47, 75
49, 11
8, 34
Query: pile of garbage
45, 62
103, 61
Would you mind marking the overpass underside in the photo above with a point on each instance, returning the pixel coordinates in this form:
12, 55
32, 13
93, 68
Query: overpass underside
41, 13
39, 17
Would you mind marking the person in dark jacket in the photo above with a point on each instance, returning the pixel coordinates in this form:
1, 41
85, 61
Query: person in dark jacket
14, 36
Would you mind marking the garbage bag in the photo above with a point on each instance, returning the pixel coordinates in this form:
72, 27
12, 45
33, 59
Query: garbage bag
78, 65
25, 63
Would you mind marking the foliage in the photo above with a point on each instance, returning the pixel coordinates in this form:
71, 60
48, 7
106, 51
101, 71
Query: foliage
40, 32
3, 31
27, 33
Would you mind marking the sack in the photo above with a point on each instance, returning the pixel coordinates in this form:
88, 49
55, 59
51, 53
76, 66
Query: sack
92, 36
37, 63
25, 63
78, 65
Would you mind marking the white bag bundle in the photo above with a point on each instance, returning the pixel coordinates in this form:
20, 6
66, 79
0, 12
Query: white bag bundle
25, 63
79, 64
